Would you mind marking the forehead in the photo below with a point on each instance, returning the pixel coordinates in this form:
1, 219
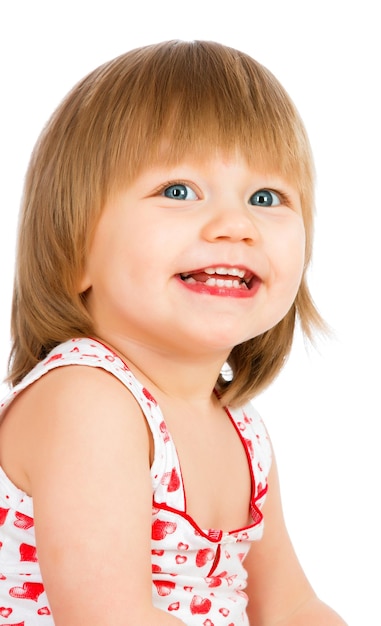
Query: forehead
217, 162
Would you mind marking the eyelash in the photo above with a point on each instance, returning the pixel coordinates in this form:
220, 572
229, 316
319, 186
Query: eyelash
284, 198
172, 183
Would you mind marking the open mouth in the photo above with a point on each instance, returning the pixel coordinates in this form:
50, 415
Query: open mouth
221, 277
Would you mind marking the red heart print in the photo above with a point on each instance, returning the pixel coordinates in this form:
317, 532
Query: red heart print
3, 515
208, 622
164, 587
18, 624
203, 556
182, 546
44, 611
157, 552
224, 612
55, 357
5, 611
149, 396
213, 581
23, 521
249, 446
174, 606
164, 432
171, 480
248, 420
174, 481
200, 605
29, 591
161, 529
180, 559
28, 553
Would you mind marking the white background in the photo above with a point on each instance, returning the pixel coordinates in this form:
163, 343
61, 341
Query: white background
323, 410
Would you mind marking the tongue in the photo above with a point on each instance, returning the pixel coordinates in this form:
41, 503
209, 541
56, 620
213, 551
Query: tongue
202, 277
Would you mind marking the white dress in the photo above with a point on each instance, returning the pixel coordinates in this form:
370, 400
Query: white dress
198, 574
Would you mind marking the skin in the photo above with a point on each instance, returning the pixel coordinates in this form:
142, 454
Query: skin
58, 436
216, 226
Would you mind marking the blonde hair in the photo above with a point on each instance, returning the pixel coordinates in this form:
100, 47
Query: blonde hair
156, 103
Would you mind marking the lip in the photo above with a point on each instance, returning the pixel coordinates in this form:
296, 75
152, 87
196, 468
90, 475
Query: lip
224, 280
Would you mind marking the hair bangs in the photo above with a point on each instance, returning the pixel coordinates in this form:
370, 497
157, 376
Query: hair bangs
181, 100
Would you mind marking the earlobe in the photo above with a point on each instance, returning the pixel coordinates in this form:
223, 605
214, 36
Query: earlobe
84, 282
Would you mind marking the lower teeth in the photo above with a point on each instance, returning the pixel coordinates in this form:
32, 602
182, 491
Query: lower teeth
217, 282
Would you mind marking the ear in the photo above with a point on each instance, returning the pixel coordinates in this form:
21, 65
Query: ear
84, 282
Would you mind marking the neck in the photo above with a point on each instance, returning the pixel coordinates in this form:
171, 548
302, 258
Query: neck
185, 378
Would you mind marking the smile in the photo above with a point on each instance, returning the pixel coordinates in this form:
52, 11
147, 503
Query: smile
221, 280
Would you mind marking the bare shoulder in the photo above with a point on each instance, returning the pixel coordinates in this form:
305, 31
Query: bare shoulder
65, 407
83, 445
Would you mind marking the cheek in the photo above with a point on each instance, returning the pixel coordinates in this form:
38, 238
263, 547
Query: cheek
289, 260
297, 258
300, 250
291, 244
108, 254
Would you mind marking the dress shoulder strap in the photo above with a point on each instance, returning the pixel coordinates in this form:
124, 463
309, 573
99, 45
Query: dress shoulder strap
82, 351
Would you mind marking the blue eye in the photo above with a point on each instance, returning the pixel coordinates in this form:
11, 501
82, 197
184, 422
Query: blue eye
179, 191
265, 197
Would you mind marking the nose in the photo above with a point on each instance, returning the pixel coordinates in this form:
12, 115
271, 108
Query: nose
231, 223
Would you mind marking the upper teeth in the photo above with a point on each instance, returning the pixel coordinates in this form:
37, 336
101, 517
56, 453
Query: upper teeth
225, 271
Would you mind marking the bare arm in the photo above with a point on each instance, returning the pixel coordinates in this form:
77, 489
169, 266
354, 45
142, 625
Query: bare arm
86, 456
279, 592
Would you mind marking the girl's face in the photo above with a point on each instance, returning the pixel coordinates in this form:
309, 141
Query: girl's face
195, 258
